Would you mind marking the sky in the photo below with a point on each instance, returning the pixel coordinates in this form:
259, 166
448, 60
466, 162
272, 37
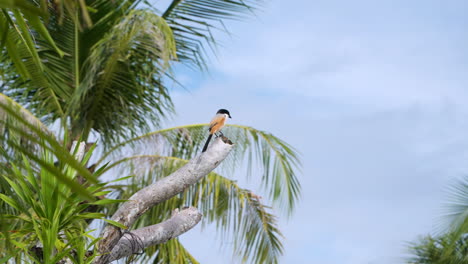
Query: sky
373, 96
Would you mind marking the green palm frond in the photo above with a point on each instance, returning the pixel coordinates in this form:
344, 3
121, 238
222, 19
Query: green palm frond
449, 248
25, 6
35, 9
193, 21
124, 72
278, 160
41, 212
36, 79
13, 17
18, 130
24, 135
238, 213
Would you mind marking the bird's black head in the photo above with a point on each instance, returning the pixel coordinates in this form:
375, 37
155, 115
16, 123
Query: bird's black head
224, 111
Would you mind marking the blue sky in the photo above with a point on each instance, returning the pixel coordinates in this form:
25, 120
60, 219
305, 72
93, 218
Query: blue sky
372, 93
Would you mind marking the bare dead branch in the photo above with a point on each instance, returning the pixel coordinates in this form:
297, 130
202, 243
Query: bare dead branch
161, 191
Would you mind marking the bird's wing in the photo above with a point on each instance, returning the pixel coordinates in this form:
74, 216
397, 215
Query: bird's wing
212, 125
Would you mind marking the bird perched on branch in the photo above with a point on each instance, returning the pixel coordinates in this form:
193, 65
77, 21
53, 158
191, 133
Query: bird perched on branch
216, 124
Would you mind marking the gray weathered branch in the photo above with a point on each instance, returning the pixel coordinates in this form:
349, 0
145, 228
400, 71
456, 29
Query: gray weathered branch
161, 191
139, 239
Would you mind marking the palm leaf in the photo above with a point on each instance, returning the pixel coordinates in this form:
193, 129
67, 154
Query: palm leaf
124, 72
23, 5
23, 134
45, 211
36, 9
27, 11
193, 21
32, 81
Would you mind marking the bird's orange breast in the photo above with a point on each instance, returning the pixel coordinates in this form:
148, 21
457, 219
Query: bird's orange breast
216, 124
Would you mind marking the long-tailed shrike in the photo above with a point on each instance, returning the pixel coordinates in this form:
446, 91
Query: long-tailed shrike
216, 124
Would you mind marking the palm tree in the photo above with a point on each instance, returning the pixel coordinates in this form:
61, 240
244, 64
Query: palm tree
106, 76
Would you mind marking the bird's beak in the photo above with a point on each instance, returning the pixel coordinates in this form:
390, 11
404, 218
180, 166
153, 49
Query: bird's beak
230, 116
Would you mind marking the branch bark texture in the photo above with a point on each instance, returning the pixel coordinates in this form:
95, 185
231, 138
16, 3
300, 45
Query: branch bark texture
161, 191
139, 239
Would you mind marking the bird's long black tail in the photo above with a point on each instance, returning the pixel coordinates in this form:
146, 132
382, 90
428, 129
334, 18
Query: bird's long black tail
207, 142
